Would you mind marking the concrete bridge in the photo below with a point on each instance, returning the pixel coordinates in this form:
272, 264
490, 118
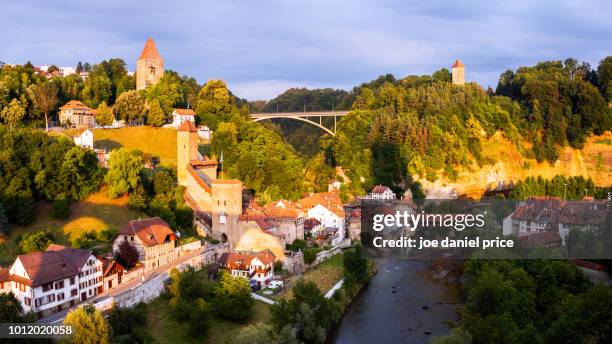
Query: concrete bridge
304, 116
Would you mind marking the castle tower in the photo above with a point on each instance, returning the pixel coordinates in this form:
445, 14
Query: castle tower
226, 209
458, 73
186, 149
149, 67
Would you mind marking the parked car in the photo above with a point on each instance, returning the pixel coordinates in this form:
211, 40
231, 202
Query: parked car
275, 284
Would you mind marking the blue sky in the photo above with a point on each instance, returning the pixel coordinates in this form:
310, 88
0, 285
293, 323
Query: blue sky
262, 48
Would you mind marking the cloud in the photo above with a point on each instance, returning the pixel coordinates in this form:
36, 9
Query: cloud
262, 47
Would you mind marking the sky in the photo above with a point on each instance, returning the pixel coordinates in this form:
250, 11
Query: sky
262, 48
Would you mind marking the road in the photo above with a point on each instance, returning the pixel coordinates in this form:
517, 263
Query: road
58, 317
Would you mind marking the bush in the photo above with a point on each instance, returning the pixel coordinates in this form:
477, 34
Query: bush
61, 208
233, 298
37, 241
310, 254
278, 267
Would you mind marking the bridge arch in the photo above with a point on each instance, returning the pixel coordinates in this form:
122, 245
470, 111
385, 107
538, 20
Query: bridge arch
257, 119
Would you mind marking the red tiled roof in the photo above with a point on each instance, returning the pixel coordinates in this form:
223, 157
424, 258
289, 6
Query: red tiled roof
151, 232
4, 275
242, 260
546, 238
185, 112
378, 189
187, 126
311, 223
457, 63
329, 200
259, 219
150, 50
75, 104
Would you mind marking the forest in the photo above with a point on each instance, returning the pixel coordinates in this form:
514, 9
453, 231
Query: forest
398, 129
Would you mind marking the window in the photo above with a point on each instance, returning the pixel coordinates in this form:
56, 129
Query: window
60, 297
59, 285
46, 287
27, 301
71, 280
222, 218
22, 287
73, 292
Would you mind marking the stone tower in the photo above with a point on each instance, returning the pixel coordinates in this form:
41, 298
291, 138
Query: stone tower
149, 67
186, 149
458, 73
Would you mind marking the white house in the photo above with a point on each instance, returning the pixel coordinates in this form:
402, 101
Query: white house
327, 208
181, 115
84, 138
153, 239
59, 278
258, 268
204, 132
381, 192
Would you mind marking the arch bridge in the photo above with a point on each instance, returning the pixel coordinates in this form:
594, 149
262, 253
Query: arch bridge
308, 117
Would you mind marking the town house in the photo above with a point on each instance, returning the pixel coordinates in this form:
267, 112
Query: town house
75, 113
381, 192
257, 268
153, 238
327, 208
59, 278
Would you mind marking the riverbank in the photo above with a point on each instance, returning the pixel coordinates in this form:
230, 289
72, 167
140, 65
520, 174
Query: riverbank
400, 304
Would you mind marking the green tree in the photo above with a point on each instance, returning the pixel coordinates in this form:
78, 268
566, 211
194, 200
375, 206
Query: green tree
355, 265
214, 103
124, 172
11, 310
156, 116
88, 326
457, 336
13, 113
45, 99
233, 298
104, 115
5, 226
35, 241
130, 106
167, 92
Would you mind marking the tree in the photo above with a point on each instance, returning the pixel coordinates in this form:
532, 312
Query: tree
45, 99
104, 115
13, 113
214, 103
124, 172
355, 265
35, 241
167, 91
88, 326
156, 116
457, 336
61, 208
130, 106
128, 254
233, 298
10, 308
5, 226
260, 334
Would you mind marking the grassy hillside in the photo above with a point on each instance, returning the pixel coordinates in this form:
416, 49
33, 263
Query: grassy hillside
97, 213
155, 141
511, 165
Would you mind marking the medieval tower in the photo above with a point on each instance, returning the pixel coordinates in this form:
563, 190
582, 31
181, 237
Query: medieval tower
217, 203
149, 67
458, 73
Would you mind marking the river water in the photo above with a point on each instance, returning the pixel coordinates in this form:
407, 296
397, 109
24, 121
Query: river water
401, 304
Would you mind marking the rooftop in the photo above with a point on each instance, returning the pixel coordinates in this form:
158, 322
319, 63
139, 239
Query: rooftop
150, 50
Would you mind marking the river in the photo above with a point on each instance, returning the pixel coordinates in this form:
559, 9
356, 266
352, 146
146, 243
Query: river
401, 304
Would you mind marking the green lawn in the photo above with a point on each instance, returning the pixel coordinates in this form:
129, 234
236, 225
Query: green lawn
154, 141
96, 213
166, 330
324, 275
